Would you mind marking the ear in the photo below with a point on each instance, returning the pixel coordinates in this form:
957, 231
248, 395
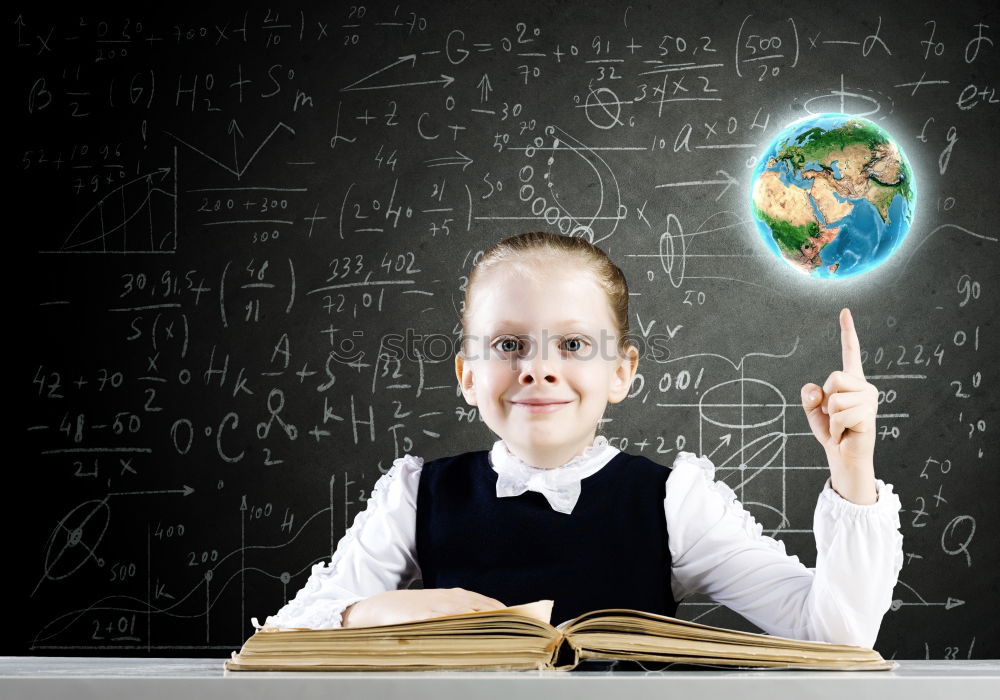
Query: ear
624, 374
463, 371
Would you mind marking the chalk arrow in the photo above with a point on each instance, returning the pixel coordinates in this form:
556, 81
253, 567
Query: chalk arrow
485, 88
462, 160
445, 80
187, 491
725, 440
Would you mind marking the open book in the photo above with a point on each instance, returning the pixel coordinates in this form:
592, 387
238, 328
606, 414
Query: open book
521, 637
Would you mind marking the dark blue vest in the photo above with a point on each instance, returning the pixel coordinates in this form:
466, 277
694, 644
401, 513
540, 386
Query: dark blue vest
610, 552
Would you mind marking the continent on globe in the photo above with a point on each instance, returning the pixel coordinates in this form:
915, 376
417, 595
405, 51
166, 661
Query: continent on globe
833, 195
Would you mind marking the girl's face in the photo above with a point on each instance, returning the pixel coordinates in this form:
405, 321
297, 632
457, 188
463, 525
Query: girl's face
548, 336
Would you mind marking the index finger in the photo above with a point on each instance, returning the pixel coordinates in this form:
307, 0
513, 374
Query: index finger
850, 345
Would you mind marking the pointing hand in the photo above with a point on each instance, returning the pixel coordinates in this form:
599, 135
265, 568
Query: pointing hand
841, 414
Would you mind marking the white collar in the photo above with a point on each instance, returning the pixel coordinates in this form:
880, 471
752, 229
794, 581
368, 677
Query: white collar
560, 485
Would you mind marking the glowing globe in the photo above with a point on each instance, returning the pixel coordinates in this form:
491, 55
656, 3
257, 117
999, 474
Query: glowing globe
833, 195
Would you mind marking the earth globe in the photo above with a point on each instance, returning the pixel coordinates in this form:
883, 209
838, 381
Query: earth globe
833, 195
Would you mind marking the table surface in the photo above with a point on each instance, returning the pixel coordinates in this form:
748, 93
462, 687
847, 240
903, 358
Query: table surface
32, 677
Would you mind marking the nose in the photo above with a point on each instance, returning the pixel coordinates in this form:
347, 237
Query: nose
537, 368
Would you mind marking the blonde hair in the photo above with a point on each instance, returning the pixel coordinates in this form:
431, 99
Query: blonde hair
527, 252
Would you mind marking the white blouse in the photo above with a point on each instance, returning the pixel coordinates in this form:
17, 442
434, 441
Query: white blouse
716, 548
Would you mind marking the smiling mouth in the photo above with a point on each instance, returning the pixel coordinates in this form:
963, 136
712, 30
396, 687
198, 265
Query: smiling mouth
541, 407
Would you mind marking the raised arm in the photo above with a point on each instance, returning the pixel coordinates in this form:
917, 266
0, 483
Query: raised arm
718, 549
376, 554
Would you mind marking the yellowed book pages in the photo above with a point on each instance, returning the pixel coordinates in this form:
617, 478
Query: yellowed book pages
522, 637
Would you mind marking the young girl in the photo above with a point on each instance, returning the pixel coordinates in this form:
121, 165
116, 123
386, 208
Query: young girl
553, 511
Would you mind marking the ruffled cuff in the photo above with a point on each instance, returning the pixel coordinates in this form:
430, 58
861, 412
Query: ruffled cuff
859, 554
838, 506
876, 524
316, 617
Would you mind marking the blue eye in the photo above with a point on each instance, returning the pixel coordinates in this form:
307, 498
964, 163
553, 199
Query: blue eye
506, 340
499, 344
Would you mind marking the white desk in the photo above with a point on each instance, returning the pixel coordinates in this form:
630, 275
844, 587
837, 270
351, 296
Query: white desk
82, 678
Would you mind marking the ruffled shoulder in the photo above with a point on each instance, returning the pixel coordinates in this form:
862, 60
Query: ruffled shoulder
310, 608
408, 465
700, 503
703, 463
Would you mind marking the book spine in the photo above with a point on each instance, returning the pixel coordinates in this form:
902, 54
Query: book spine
565, 656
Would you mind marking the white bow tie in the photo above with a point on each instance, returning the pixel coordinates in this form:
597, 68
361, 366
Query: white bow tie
560, 485
562, 498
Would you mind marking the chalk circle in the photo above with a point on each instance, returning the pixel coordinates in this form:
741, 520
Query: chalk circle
598, 109
831, 101
667, 254
717, 401
75, 538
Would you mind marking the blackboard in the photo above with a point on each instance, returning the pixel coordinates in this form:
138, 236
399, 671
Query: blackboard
226, 219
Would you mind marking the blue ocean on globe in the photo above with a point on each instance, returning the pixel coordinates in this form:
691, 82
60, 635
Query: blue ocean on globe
833, 196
